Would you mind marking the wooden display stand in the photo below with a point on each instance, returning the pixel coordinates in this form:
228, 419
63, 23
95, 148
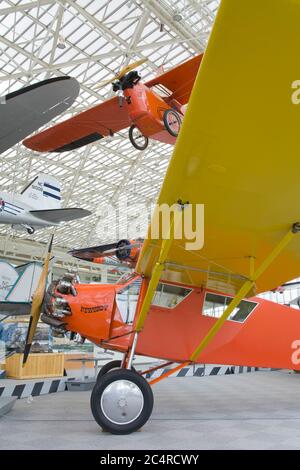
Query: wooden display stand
72, 364
38, 365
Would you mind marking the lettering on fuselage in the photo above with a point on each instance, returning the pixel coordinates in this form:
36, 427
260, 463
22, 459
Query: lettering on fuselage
296, 354
97, 308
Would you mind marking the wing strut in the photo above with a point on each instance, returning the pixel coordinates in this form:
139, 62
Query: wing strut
245, 289
154, 280
241, 294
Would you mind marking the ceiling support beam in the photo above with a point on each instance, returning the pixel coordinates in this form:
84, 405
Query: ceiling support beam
78, 172
59, 19
165, 16
107, 32
19, 251
24, 7
27, 54
98, 57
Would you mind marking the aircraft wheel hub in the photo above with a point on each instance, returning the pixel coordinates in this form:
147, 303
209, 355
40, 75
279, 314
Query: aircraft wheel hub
122, 402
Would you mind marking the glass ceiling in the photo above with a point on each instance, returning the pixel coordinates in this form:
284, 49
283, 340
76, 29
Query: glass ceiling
100, 37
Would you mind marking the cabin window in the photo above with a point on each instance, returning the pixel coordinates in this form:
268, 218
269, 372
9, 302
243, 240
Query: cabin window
126, 300
215, 305
169, 296
161, 90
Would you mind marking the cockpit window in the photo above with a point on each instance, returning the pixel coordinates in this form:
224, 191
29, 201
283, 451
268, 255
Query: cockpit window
215, 305
169, 296
161, 90
126, 299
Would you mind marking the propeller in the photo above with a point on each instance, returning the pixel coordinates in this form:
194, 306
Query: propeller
37, 301
122, 72
111, 249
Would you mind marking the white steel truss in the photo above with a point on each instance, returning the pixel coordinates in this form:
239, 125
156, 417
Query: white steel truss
100, 36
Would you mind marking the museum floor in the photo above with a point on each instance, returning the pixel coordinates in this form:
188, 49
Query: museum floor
258, 410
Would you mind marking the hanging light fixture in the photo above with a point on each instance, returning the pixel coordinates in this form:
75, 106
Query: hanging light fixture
61, 43
177, 16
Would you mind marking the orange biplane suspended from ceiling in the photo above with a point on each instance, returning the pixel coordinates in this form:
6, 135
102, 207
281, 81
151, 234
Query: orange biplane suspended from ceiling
153, 109
238, 154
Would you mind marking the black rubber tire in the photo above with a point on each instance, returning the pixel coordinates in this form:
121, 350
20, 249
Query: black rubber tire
103, 383
110, 366
30, 231
165, 118
138, 147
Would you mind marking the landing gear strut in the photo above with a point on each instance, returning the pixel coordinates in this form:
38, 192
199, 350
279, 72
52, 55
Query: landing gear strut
30, 230
121, 401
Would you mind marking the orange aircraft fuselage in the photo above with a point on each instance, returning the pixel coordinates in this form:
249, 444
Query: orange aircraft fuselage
146, 110
268, 337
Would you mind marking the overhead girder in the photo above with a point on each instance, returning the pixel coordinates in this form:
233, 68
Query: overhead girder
108, 169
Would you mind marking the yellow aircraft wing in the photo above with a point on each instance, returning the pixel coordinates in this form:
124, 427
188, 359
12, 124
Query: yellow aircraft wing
238, 152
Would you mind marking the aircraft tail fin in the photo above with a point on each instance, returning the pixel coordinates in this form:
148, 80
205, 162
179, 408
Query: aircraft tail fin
44, 192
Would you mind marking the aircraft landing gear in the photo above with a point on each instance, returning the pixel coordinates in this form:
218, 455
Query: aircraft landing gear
30, 230
138, 140
121, 401
172, 122
110, 366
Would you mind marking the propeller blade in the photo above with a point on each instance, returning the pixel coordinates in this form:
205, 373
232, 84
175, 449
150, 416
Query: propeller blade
122, 72
130, 67
37, 301
105, 82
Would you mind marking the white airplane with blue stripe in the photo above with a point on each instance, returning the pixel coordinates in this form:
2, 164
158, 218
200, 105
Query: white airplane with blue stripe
38, 206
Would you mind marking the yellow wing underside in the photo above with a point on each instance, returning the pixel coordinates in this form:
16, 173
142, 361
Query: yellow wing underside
238, 152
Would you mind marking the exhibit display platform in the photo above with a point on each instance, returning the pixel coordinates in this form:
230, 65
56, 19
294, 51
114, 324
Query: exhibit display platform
31, 387
38, 365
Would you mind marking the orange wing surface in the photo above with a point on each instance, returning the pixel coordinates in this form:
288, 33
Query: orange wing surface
238, 152
106, 118
84, 128
180, 79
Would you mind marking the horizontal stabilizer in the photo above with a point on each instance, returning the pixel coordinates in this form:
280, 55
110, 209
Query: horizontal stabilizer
15, 308
60, 215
